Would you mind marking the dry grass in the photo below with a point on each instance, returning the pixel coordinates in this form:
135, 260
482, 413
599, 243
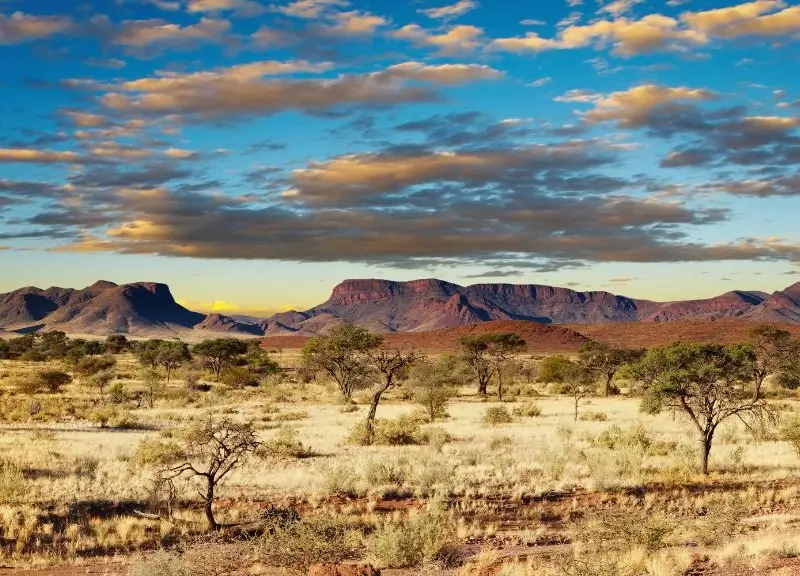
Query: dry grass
69, 488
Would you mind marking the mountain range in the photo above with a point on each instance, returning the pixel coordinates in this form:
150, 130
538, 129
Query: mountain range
149, 309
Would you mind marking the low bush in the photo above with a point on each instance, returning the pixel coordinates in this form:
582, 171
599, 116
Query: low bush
527, 410
496, 415
298, 545
286, 444
13, 486
593, 417
426, 537
291, 416
402, 431
790, 432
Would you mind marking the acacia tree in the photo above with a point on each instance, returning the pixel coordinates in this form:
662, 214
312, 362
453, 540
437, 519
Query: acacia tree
389, 365
503, 347
209, 449
571, 376
434, 385
774, 351
171, 355
220, 353
474, 350
604, 361
343, 355
706, 382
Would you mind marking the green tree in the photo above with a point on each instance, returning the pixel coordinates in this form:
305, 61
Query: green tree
433, 386
146, 352
474, 351
220, 353
502, 348
390, 366
171, 355
209, 450
706, 382
604, 361
775, 352
555, 369
116, 344
153, 384
343, 355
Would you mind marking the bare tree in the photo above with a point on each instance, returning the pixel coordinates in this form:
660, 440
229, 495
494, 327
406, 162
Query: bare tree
390, 366
209, 449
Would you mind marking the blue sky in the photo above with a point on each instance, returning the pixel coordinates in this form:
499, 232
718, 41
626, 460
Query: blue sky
254, 153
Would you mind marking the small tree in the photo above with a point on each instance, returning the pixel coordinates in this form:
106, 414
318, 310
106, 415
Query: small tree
571, 377
101, 379
474, 350
220, 353
146, 352
238, 377
502, 348
389, 365
54, 380
116, 344
88, 366
209, 450
153, 383
171, 355
604, 361
343, 355
774, 352
703, 381
433, 387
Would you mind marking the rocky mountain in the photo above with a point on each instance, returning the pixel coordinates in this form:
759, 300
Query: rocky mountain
148, 309
140, 309
425, 305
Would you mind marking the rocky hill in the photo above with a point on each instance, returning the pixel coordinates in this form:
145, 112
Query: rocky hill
148, 309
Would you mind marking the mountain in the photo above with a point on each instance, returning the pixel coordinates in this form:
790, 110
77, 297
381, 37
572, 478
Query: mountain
139, 309
430, 304
148, 309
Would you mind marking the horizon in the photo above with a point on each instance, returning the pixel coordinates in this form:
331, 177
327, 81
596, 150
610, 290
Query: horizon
251, 153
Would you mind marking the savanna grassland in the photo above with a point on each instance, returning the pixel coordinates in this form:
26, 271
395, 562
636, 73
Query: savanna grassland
107, 451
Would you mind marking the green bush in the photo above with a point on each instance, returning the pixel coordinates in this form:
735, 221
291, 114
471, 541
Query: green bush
496, 415
13, 487
527, 410
790, 432
427, 536
402, 431
286, 444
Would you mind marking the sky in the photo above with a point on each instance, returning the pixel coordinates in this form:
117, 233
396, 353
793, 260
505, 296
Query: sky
254, 153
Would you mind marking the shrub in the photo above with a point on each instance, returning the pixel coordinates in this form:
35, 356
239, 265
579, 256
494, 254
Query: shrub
425, 537
110, 416
349, 408
45, 381
298, 545
594, 417
238, 377
117, 394
160, 564
386, 472
286, 444
291, 416
402, 431
496, 415
339, 479
527, 410
12, 483
790, 432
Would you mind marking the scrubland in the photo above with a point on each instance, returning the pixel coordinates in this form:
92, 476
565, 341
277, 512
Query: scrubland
487, 488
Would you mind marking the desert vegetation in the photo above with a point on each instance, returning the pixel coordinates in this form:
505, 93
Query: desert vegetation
160, 457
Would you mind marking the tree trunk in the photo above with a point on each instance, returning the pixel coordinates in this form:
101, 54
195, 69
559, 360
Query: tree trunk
577, 399
482, 387
607, 387
705, 451
500, 385
169, 370
373, 410
212, 522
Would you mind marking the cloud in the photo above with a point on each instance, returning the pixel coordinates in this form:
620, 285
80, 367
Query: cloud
450, 11
33, 156
633, 108
246, 89
242, 7
368, 175
19, 27
656, 32
310, 9
764, 188
540, 82
457, 39
143, 36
